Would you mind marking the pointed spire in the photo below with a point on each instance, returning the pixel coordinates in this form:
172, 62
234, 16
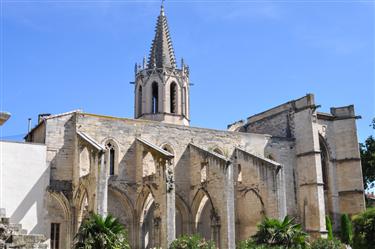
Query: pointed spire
162, 54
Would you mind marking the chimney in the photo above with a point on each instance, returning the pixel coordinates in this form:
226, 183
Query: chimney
42, 116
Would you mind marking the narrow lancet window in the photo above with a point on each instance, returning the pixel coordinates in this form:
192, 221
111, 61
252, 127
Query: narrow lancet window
184, 97
55, 236
139, 101
111, 162
111, 159
173, 97
324, 158
155, 98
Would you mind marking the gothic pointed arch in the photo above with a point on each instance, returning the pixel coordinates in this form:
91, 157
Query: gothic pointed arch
59, 215
155, 97
140, 101
182, 217
249, 211
83, 209
327, 179
204, 215
147, 219
184, 101
173, 100
112, 156
324, 159
121, 207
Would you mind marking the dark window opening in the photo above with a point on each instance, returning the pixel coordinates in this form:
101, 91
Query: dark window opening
173, 97
139, 101
324, 158
111, 162
184, 101
55, 235
155, 98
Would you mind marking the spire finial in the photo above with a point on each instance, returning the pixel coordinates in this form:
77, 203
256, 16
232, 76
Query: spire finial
162, 8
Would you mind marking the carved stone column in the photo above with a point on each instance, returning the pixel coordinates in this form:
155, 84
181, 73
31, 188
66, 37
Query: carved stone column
171, 203
102, 186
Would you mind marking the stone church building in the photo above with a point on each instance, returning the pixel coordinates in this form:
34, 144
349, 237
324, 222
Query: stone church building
163, 178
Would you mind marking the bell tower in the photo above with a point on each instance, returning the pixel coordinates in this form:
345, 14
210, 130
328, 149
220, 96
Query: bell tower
162, 89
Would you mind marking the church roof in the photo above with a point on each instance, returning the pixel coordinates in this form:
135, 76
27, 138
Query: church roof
162, 54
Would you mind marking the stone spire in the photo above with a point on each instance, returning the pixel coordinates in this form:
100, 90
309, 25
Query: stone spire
162, 54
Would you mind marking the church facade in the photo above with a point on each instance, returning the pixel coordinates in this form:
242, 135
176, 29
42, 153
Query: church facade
163, 178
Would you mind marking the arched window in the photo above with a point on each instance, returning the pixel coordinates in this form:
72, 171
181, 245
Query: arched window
111, 158
173, 97
324, 162
139, 101
155, 98
184, 97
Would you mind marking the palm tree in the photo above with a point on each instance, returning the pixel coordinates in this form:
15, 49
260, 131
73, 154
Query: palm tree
280, 232
99, 232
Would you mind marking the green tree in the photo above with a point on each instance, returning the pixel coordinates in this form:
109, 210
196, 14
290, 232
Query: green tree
364, 229
329, 227
346, 229
99, 232
280, 233
367, 151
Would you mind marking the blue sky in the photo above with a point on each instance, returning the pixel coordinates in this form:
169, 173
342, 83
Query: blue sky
244, 56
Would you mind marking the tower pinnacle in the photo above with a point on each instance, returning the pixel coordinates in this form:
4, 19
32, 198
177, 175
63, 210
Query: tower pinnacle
162, 89
162, 53
162, 8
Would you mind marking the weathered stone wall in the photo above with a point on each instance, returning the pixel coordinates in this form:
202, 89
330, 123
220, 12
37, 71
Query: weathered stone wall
277, 125
299, 136
282, 150
74, 177
338, 129
60, 135
257, 192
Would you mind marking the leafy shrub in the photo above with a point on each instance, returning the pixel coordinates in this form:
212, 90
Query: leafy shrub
346, 229
329, 227
364, 229
192, 242
280, 233
250, 244
327, 243
99, 232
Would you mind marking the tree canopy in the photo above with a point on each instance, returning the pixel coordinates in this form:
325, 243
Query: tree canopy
367, 150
